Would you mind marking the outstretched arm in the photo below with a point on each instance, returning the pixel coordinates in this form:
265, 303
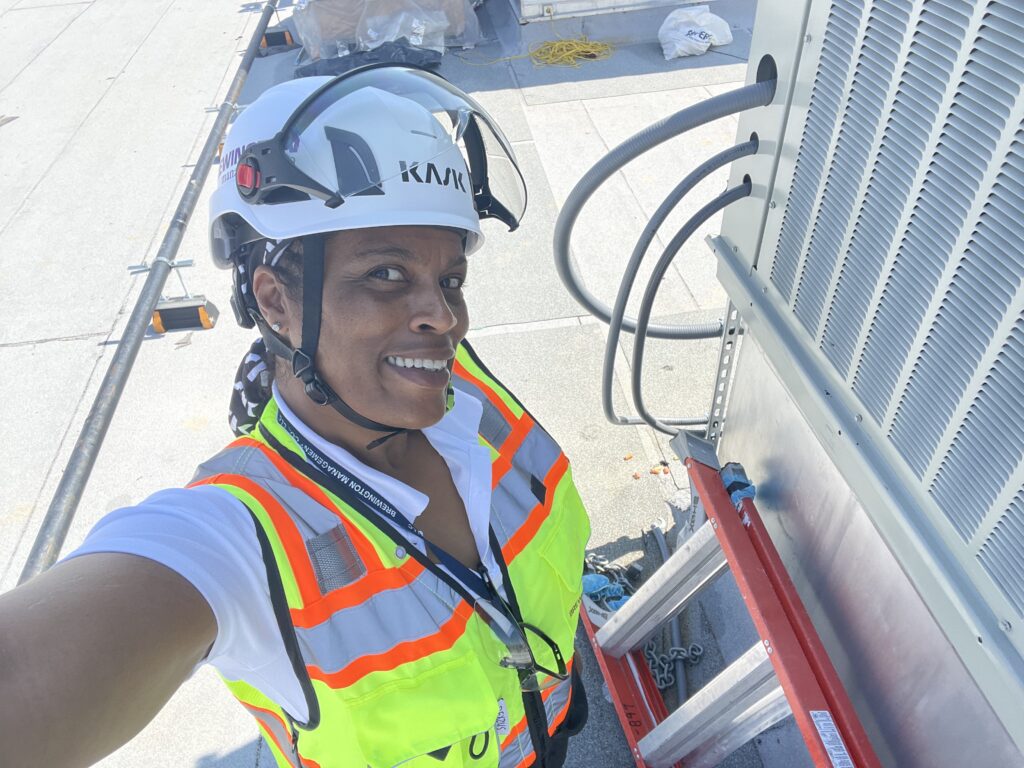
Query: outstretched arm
89, 652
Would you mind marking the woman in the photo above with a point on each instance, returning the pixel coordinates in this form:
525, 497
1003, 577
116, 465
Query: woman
387, 569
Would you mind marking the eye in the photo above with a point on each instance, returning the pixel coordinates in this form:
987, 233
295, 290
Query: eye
452, 282
390, 274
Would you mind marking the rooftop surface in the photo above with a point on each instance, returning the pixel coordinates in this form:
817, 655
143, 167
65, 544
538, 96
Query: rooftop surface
104, 105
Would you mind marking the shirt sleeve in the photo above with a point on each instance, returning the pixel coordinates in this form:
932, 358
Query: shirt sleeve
208, 537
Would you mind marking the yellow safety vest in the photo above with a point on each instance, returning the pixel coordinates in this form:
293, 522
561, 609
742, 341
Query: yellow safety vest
397, 667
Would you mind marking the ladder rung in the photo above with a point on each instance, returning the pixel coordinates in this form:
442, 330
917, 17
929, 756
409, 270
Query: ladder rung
740, 702
665, 593
761, 716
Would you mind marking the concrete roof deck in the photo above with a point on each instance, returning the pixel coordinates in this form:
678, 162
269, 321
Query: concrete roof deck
111, 101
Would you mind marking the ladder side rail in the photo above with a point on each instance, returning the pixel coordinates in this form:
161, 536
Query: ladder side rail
848, 723
637, 709
798, 680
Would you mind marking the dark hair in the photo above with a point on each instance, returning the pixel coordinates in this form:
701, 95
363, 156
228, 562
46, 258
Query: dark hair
288, 269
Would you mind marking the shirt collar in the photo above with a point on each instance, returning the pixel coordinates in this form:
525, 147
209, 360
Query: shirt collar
457, 429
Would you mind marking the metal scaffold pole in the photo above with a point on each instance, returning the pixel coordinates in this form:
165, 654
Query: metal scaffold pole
65, 501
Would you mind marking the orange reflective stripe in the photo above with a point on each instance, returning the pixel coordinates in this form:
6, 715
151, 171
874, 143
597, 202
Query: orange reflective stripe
507, 450
460, 370
544, 695
521, 725
353, 594
287, 532
518, 729
520, 426
518, 541
403, 653
269, 732
256, 712
560, 717
364, 547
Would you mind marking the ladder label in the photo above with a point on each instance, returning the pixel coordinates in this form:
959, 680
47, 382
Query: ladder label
832, 739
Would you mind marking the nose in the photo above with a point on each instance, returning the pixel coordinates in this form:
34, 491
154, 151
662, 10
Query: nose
431, 311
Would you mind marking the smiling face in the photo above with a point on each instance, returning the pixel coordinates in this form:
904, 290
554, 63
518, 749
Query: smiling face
393, 315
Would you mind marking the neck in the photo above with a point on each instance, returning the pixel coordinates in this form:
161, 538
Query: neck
389, 457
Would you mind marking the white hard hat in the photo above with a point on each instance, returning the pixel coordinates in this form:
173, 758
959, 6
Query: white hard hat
381, 146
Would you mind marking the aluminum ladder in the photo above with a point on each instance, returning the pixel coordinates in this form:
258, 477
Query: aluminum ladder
787, 672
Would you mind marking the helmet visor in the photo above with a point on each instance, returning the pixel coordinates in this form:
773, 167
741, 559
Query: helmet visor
325, 141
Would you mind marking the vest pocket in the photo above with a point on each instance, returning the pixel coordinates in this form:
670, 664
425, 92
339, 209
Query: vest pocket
334, 560
415, 719
562, 550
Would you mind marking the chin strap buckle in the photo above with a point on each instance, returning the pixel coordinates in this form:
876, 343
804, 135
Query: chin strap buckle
302, 368
302, 365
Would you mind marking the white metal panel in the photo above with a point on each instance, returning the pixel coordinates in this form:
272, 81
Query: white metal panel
917, 700
893, 259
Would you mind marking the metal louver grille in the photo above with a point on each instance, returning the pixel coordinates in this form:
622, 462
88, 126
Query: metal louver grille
837, 51
989, 444
1002, 555
876, 64
900, 255
918, 93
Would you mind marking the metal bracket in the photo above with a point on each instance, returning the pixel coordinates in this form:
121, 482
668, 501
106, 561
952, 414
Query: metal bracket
732, 331
174, 266
688, 446
144, 267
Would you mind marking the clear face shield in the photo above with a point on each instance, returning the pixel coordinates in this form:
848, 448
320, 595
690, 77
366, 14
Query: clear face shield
322, 151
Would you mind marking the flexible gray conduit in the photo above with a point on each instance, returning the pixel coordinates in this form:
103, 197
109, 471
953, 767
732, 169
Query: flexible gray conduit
747, 97
700, 330
647, 303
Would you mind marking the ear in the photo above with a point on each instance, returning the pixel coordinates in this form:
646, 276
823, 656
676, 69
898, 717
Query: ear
274, 302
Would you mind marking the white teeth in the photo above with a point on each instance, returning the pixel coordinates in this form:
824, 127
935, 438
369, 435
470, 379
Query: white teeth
409, 362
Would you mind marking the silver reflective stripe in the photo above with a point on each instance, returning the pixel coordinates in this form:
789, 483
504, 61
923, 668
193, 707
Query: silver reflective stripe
517, 750
493, 426
511, 504
538, 454
334, 559
378, 624
232, 460
514, 499
556, 701
309, 516
275, 730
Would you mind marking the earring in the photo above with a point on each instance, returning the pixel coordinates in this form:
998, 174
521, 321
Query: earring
276, 327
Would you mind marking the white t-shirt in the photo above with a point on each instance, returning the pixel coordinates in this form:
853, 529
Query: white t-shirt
207, 535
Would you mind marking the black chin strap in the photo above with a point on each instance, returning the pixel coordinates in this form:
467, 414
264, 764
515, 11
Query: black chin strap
302, 359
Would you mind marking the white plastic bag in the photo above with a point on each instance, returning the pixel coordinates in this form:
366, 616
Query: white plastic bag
423, 28
691, 31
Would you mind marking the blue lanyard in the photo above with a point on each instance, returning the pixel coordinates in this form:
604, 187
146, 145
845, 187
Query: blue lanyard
372, 502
